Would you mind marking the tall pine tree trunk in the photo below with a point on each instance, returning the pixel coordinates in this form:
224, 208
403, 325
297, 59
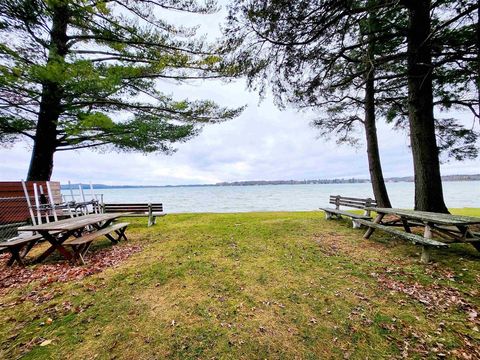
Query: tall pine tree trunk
374, 164
45, 145
428, 182
373, 153
478, 61
41, 162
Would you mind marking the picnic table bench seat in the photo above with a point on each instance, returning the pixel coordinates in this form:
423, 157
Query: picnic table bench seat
414, 238
80, 245
19, 247
358, 203
439, 229
335, 212
152, 210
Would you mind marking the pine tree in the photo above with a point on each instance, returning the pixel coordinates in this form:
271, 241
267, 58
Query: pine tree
85, 74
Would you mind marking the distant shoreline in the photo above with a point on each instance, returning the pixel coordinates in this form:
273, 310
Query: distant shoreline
475, 177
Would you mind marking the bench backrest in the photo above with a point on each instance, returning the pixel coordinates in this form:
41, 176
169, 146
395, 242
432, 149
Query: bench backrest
352, 202
133, 208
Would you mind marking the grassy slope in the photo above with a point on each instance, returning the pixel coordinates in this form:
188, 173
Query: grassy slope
254, 285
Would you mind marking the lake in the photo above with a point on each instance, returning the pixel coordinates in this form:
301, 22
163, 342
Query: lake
457, 194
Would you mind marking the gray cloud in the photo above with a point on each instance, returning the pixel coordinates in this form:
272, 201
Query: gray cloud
263, 143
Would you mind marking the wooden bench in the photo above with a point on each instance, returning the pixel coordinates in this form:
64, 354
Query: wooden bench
19, 247
414, 238
80, 245
357, 203
151, 210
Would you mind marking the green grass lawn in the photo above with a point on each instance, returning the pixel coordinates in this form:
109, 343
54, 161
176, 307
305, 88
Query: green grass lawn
253, 286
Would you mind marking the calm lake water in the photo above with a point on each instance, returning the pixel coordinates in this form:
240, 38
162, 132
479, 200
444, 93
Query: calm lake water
279, 197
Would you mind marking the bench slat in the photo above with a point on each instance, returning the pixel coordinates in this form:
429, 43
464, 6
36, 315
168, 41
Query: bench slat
20, 240
145, 214
358, 206
140, 212
133, 205
93, 235
416, 239
346, 213
126, 204
352, 198
358, 203
131, 208
349, 201
126, 209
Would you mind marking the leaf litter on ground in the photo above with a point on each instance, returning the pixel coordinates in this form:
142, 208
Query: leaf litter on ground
13, 277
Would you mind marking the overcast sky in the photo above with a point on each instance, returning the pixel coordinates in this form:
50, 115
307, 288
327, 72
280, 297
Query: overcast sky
262, 144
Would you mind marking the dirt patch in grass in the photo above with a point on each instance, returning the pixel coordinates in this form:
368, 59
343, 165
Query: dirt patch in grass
13, 277
353, 246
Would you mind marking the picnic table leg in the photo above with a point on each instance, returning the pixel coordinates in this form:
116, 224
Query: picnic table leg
77, 254
370, 230
108, 236
121, 234
103, 225
112, 239
406, 226
150, 216
75, 250
15, 256
55, 245
356, 224
80, 258
19, 252
84, 250
27, 248
51, 249
80, 252
466, 234
425, 257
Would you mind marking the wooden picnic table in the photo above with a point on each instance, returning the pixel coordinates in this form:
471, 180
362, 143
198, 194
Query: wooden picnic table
439, 229
426, 216
57, 232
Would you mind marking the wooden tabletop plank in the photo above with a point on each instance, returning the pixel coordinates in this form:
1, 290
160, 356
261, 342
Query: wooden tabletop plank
437, 218
72, 223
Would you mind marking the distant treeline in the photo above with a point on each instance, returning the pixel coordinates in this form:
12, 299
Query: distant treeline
474, 177
293, 182
343, 181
